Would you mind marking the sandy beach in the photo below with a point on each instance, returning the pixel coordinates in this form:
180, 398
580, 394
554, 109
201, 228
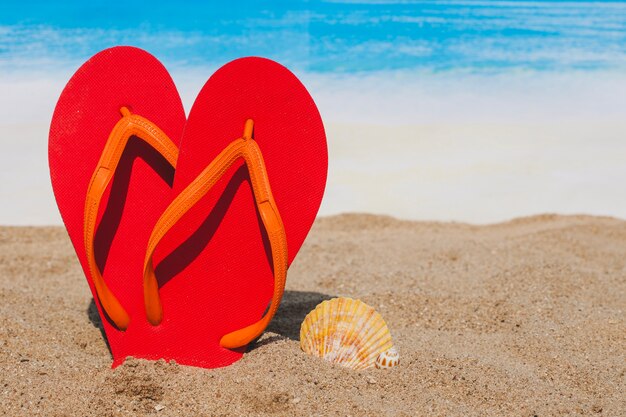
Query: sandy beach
520, 318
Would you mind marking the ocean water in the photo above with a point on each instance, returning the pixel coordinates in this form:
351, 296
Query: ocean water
474, 111
326, 36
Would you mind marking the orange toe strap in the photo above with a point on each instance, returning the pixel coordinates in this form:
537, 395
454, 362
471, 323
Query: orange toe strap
247, 149
129, 125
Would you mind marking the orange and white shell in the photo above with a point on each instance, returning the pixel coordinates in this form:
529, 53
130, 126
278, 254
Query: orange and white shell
345, 331
388, 359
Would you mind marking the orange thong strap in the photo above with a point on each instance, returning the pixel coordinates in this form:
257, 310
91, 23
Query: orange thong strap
129, 125
247, 149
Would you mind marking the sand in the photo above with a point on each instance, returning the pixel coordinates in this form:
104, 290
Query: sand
520, 318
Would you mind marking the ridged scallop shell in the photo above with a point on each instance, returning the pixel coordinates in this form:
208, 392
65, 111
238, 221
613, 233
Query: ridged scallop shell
345, 331
388, 359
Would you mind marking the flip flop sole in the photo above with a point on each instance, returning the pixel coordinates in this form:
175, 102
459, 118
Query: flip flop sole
87, 111
214, 267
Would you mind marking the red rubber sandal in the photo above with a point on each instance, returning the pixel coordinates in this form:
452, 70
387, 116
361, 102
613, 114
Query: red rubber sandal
113, 148
219, 270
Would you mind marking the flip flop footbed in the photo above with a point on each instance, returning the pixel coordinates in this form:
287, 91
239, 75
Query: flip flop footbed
87, 111
217, 258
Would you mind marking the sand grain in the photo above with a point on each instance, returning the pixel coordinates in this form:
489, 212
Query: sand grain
520, 318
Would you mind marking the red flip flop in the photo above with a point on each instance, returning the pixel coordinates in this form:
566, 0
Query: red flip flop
249, 181
248, 185
113, 146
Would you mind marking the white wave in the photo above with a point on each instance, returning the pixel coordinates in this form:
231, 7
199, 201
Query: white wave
454, 146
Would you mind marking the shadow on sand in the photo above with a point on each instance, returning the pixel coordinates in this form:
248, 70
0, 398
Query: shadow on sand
291, 313
96, 321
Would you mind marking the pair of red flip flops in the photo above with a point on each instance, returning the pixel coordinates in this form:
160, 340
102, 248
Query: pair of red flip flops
185, 227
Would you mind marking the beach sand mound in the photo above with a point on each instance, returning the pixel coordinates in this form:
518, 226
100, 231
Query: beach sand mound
519, 318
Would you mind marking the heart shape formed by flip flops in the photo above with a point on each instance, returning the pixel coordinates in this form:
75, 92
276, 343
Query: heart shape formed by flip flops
184, 227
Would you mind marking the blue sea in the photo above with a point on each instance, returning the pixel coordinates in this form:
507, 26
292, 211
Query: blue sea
324, 36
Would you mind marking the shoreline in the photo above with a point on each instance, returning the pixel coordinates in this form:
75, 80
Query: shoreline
476, 173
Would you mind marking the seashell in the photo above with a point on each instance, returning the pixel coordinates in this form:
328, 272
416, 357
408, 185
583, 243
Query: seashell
388, 359
345, 331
